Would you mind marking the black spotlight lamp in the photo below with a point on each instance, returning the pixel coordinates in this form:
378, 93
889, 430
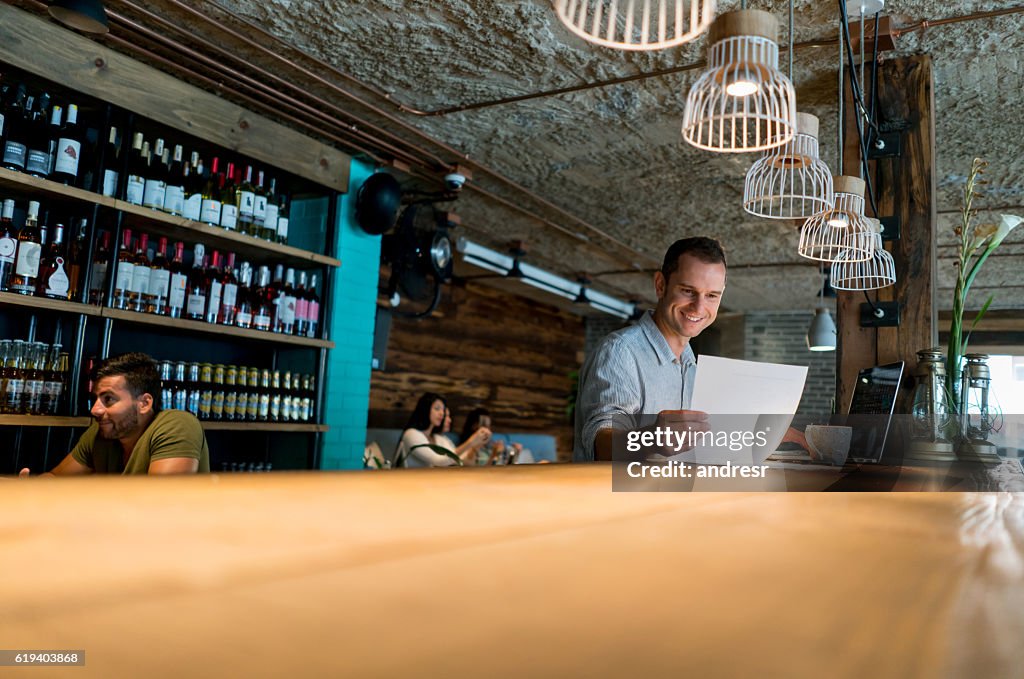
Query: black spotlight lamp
87, 16
581, 297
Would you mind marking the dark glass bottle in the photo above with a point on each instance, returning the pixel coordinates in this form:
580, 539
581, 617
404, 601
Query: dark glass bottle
69, 149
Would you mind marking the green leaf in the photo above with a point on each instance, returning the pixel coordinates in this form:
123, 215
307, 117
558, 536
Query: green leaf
440, 450
977, 319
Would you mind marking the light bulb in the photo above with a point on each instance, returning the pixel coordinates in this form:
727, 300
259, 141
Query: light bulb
839, 221
741, 88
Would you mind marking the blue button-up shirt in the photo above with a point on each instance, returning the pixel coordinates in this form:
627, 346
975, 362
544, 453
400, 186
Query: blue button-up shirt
633, 372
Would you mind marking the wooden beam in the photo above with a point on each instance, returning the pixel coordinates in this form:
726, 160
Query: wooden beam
905, 187
67, 58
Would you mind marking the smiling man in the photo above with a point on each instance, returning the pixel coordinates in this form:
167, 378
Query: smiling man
648, 368
130, 433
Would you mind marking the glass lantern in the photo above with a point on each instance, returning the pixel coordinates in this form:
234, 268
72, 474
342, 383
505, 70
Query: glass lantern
930, 413
977, 417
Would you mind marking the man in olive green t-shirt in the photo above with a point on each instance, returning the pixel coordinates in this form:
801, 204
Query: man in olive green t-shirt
131, 434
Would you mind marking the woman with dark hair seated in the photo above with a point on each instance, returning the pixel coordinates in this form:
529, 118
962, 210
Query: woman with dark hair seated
423, 433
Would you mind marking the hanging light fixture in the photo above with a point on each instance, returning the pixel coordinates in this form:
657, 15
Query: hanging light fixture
821, 336
636, 25
741, 102
842, 230
870, 274
791, 181
87, 16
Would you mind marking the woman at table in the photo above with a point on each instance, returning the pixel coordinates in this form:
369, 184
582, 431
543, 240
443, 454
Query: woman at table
497, 452
424, 432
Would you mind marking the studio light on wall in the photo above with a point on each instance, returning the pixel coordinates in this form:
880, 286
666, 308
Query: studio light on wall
636, 25
87, 16
512, 267
842, 230
742, 102
821, 336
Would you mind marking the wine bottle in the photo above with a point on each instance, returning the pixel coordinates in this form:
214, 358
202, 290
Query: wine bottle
30, 245
245, 200
98, 272
8, 243
155, 187
301, 307
125, 272
286, 305
76, 258
245, 298
178, 283
214, 288
269, 230
69, 149
228, 206
195, 304
313, 313
174, 196
263, 299
53, 276
37, 162
136, 186
282, 220
259, 210
111, 159
210, 211
159, 280
141, 275
194, 189
15, 129
229, 300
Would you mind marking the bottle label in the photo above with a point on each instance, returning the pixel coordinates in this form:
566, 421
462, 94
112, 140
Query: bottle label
135, 190
230, 295
286, 310
99, 275
125, 276
246, 203
109, 183
282, 227
58, 283
140, 279
196, 305
301, 309
159, 283
261, 322
275, 407
314, 312
176, 295
14, 154
244, 319
259, 209
37, 161
153, 194
253, 407
174, 200
217, 405
8, 246
193, 208
210, 211
205, 404
264, 406
228, 216
270, 220
230, 405
66, 158
214, 295
28, 259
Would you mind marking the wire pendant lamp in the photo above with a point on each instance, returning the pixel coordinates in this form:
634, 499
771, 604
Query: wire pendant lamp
791, 181
841, 230
870, 274
636, 25
742, 102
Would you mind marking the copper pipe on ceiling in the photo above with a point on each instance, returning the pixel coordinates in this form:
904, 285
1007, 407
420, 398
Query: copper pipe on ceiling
460, 156
974, 16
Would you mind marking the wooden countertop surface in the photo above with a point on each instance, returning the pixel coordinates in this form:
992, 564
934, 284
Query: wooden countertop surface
523, 571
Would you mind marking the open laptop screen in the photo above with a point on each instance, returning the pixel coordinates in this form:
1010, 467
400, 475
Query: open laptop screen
874, 398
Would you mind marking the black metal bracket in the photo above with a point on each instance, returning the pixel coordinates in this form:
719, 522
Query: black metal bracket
879, 315
886, 145
890, 227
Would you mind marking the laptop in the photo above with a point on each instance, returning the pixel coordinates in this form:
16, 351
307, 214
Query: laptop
871, 410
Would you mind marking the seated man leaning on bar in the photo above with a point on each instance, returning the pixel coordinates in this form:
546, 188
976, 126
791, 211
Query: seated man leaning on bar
131, 434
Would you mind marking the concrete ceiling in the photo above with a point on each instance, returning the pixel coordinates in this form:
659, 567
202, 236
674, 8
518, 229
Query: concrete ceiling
609, 172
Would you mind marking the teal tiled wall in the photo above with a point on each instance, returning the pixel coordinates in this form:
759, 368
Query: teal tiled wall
353, 309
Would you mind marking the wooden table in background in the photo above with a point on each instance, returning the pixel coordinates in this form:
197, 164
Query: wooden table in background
517, 572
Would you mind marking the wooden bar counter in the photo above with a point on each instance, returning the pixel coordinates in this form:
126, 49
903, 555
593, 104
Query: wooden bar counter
523, 571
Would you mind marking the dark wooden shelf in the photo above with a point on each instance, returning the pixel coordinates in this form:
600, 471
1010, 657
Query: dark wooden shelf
43, 421
164, 224
301, 427
14, 299
212, 328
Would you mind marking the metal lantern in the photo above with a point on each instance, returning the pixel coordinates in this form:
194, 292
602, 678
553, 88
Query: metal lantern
930, 416
742, 102
976, 413
791, 181
869, 274
841, 231
636, 25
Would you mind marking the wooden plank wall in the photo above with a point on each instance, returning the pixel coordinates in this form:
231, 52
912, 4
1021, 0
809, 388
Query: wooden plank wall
484, 347
905, 186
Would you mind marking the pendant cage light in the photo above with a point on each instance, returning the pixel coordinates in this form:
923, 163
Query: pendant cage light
870, 274
791, 181
841, 230
742, 102
636, 25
